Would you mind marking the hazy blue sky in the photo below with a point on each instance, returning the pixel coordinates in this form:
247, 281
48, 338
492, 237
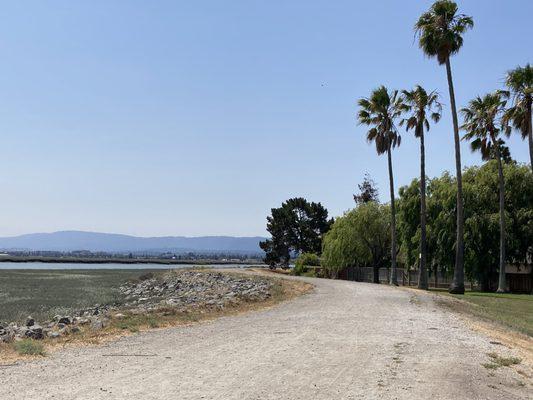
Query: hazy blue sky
196, 117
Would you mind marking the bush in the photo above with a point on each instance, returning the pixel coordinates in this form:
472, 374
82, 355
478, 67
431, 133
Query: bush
304, 261
29, 347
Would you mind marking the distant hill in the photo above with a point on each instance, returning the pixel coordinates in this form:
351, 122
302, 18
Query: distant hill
116, 243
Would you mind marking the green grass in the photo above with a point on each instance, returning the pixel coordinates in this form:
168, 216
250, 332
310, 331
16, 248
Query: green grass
45, 293
497, 361
514, 311
29, 347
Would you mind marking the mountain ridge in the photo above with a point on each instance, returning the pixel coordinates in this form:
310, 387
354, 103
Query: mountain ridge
73, 240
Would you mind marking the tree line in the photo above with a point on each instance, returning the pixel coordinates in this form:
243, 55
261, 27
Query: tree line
487, 121
361, 237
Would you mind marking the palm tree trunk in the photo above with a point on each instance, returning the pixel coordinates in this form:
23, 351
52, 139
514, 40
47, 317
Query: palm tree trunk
436, 270
458, 284
375, 270
530, 132
393, 277
423, 272
501, 279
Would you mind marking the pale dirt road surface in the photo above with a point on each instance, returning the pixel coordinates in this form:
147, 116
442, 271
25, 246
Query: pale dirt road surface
346, 340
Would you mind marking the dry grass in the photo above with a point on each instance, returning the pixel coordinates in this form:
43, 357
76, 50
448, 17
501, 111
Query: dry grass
132, 323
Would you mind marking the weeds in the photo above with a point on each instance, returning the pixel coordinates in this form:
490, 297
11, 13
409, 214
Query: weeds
498, 361
29, 347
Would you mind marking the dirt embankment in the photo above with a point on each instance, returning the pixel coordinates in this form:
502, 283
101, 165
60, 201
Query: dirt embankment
156, 300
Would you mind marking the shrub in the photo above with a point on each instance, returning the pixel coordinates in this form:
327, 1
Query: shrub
303, 261
29, 347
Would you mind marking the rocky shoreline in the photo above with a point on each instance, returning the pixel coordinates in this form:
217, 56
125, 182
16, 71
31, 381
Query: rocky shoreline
183, 290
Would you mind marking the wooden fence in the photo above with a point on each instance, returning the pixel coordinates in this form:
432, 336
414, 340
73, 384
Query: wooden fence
405, 277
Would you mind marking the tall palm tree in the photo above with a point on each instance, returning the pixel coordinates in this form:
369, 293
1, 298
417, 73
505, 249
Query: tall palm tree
440, 33
419, 105
520, 83
484, 125
380, 111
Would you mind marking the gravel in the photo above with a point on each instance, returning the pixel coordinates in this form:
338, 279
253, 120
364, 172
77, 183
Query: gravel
345, 340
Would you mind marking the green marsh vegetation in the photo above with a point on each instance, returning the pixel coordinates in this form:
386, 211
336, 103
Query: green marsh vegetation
45, 293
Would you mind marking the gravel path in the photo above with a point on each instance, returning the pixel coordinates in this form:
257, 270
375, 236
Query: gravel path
346, 340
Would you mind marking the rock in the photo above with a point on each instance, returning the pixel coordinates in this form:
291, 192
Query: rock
97, 325
182, 290
34, 332
65, 320
194, 289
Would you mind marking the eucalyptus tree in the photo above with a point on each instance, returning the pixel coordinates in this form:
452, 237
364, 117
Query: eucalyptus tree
519, 81
380, 111
484, 126
419, 105
440, 33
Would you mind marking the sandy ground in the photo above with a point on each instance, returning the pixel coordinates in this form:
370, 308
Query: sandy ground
345, 340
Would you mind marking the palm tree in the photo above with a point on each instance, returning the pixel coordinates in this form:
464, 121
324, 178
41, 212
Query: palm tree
420, 104
380, 111
484, 124
520, 84
440, 33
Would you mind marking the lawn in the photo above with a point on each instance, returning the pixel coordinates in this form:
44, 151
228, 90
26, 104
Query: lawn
45, 293
514, 311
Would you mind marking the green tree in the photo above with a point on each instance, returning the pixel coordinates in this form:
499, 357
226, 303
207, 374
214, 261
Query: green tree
440, 31
359, 238
483, 126
380, 111
481, 191
304, 261
367, 191
296, 227
419, 105
520, 84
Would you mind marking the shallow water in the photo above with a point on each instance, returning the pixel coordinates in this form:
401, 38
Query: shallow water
44, 266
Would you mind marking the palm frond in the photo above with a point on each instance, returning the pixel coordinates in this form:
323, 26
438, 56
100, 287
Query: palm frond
440, 30
484, 120
380, 111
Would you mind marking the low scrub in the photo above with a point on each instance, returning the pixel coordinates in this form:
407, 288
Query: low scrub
303, 262
497, 361
29, 347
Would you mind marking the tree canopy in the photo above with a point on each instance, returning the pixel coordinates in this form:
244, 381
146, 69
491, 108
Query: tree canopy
359, 238
440, 30
368, 191
481, 220
296, 227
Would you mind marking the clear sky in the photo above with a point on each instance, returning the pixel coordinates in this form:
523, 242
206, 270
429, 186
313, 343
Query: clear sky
196, 117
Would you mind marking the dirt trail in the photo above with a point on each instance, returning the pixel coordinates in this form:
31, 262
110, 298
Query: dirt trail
345, 340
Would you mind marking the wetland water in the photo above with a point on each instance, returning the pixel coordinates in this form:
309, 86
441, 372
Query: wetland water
140, 266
